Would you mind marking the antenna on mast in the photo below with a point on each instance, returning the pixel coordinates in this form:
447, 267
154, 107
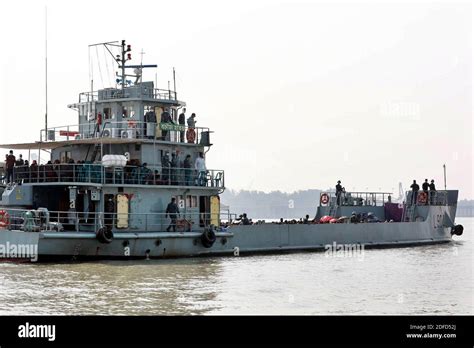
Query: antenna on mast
46, 71
174, 82
444, 169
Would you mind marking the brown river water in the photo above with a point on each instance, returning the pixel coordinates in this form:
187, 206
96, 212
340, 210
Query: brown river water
436, 279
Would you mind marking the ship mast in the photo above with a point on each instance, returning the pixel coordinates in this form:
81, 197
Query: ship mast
46, 71
122, 58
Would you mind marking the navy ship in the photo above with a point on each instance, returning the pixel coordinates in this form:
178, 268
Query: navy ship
130, 181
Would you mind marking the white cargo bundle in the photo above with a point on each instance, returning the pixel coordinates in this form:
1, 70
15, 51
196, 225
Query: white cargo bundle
114, 161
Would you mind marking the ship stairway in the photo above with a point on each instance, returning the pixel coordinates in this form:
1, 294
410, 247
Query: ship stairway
97, 147
95, 152
409, 213
332, 210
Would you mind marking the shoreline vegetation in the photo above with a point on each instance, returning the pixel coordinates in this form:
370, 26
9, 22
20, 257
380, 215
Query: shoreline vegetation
295, 205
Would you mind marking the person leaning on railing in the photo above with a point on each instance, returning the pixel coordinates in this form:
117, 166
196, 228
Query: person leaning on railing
182, 122
188, 170
191, 133
200, 166
10, 161
414, 191
432, 192
165, 118
173, 211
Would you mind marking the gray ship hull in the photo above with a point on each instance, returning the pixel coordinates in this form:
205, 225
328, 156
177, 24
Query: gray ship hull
237, 240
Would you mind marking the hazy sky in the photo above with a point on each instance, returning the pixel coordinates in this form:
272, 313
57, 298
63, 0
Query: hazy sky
299, 94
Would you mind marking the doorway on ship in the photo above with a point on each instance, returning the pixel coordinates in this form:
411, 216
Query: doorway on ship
204, 211
57, 200
110, 209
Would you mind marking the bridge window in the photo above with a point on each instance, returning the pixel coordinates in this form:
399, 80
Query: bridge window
107, 113
191, 202
65, 156
128, 111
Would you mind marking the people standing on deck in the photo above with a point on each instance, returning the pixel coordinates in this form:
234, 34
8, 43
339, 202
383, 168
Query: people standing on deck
338, 192
150, 119
182, 122
173, 211
165, 118
10, 164
425, 186
432, 192
166, 166
200, 166
414, 188
174, 169
34, 170
243, 219
191, 133
306, 220
188, 170
19, 162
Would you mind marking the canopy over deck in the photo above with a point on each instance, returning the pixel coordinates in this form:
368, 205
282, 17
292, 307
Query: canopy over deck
38, 145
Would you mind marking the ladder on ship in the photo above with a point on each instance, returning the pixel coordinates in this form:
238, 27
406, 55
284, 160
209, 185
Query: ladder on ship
332, 210
97, 147
409, 213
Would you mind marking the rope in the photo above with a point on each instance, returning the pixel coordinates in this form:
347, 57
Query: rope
98, 63
107, 65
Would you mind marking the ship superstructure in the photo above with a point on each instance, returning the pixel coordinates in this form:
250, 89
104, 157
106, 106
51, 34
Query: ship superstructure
102, 187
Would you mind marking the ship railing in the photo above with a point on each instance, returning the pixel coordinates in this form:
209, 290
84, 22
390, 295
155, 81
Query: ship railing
129, 129
127, 93
96, 173
227, 217
422, 198
354, 198
43, 220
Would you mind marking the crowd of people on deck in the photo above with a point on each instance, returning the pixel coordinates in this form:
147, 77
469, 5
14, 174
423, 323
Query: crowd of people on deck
173, 171
428, 188
188, 136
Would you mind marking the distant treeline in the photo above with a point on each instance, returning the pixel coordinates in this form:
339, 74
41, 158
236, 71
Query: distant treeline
465, 208
277, 204
273, 205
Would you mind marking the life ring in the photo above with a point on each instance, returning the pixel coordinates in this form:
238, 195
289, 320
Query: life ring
422, 197
132, 124
190, 135
208, 238
324, 198
4, 219
105, 235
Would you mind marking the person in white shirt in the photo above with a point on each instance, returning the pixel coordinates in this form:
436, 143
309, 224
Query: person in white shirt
200, 166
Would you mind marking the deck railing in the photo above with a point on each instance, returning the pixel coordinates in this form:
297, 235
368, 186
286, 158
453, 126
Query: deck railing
354, 198
42, 220
130, 129
128, 93
431, 198
128, 175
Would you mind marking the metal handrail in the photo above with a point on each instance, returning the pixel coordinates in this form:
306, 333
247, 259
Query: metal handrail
357, 198
433, 198
157, 93
132, 129
75, 221
95, 173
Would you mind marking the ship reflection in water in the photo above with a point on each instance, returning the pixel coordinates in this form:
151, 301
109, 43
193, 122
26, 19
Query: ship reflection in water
435, 279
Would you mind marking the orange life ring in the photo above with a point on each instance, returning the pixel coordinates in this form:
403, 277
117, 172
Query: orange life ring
132, 124
324, 198
190, 135
422, 197
4, 219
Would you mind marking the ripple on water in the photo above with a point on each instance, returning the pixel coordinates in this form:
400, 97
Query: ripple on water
435, 279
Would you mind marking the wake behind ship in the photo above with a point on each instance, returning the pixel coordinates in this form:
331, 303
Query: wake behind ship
129, 180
